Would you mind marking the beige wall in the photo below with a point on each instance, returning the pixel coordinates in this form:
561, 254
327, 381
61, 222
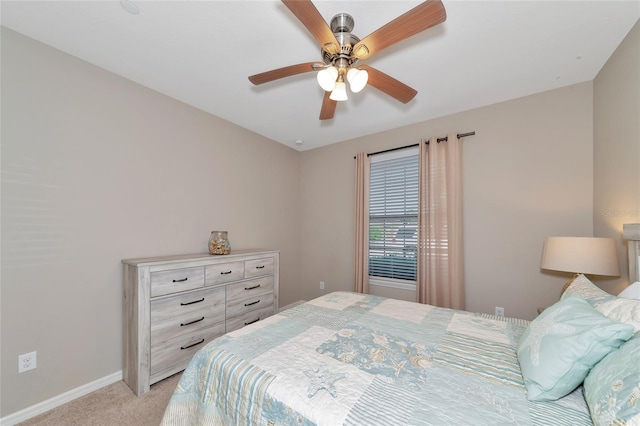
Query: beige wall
96, 168
617, 148
527, 174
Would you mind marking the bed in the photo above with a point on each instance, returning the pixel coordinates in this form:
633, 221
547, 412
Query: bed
355, 359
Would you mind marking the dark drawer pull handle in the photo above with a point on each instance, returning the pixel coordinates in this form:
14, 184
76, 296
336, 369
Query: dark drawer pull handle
251, 288
191, 303
260, 267
251, 322
192, 322
225, 273
180, 281
252, 303
182, 348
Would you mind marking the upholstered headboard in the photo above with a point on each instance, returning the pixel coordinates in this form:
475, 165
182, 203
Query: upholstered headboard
631, 233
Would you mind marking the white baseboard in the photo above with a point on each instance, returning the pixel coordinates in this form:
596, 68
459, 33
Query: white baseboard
57, 401
291, 305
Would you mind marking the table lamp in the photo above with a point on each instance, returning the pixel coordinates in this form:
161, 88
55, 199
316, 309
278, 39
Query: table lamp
581, 255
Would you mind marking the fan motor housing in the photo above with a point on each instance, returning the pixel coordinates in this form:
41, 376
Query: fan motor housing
342, 23
341, 26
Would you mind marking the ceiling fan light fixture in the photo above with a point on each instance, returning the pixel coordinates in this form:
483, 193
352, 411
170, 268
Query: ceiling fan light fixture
339, 92
341, 51
357, 79
327, 78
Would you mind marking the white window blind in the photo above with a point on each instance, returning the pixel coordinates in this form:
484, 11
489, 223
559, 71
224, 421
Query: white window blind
393, 215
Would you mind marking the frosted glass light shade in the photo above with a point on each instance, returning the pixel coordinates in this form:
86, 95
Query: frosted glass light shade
581, 255
357, 79
327, 78
339, 92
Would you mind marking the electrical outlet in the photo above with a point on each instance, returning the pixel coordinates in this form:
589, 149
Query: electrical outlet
26, 362
321, 285
499, 311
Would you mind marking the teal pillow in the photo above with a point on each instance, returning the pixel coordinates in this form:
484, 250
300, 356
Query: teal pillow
559, 347
612, 387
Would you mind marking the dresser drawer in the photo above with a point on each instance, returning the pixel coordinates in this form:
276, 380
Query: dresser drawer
173, 355
183, 313
249, 295
224, 272
248, 318
258, 267
176, 280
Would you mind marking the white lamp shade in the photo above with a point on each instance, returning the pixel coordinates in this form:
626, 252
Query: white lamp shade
581, 255
339, 92
327, 78
357, 79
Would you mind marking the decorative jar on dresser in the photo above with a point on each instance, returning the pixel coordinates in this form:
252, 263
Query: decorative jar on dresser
174, 305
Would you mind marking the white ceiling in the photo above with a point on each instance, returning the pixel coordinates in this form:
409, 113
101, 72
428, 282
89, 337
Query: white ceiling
201, 53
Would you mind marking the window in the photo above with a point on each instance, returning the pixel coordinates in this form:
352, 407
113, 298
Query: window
393, 215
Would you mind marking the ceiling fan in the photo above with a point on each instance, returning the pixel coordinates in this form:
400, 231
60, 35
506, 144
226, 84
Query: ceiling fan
341, 52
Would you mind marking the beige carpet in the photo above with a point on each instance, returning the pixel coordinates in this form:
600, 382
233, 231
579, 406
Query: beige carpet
114, 405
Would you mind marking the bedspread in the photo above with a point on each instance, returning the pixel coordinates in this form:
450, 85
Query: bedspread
354, 359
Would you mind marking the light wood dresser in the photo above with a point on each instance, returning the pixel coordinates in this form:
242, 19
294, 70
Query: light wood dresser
174, 305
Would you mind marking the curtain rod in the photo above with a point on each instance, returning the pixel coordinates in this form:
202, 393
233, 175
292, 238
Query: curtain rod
460, 135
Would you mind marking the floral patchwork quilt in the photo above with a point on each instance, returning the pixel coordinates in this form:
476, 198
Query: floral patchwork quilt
354, 359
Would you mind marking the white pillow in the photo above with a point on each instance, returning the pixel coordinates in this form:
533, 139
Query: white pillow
617, 308
623, 310
631, 292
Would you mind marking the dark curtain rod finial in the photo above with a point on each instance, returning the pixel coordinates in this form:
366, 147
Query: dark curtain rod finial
460, 135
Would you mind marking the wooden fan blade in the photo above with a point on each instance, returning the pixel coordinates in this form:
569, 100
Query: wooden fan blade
307, 13
283, 72
328, 107
389, 85
418, 19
